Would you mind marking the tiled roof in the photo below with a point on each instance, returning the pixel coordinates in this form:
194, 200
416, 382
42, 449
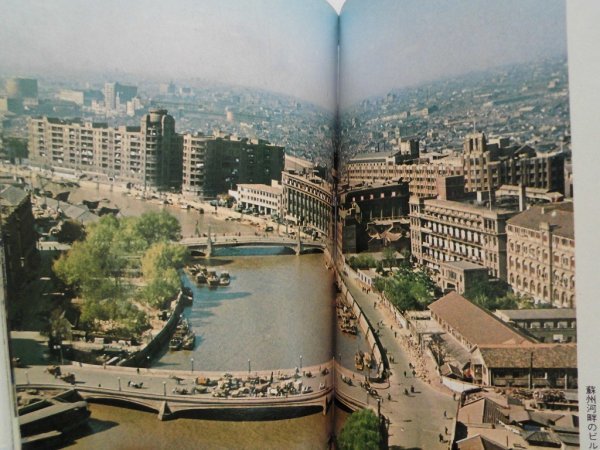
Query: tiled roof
538, 356
483, 410
476, 325
12, 196
479, 443
538, 313
558, 215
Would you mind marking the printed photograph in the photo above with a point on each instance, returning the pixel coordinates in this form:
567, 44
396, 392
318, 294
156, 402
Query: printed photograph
287, 225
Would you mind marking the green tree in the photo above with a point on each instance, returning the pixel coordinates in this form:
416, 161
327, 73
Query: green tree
362, 262
493, 295
360, 432
155, 227
389, 256
70, 231
408, 289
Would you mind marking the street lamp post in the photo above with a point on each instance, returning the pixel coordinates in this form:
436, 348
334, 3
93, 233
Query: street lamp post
59, 348
300, 362
165, 388
192, 361
119, 380
248, 366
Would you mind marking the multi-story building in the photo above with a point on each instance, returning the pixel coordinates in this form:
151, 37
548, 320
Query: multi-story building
541, 254
386, 203
307, 201
24, 90
18, 237
215, 164
488, 165
484, 165
264, 198
148, 156
116, 93
458, 227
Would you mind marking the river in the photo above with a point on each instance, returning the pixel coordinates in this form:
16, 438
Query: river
278, 312
124, 429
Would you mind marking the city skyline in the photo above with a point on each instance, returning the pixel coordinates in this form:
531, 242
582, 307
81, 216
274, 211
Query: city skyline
438, 40
219, 41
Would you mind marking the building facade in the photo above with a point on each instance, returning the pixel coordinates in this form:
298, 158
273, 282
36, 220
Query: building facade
484, 165
307, 201
545, 324
526, 366
215, 164
445, 230
261, 197
148, 156
541, 254
19, 237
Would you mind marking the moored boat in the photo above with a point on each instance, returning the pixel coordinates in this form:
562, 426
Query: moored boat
224, 278
175, 343
212, 278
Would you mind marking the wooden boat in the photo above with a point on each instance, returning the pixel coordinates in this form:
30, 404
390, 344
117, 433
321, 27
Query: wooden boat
212, 278
189, 341
224, 279
175, 344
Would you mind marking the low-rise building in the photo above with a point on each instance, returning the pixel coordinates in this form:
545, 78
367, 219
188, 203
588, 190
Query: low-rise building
266, 199
472, 325
546, 325
527, 366
460, 275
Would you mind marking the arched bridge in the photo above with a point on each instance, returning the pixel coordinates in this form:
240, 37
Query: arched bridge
208, 244
169, 393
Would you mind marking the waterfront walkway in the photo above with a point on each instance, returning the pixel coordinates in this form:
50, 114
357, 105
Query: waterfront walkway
416, 419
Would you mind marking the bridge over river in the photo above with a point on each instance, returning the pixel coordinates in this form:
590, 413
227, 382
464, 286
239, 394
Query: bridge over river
208, 244
158, 391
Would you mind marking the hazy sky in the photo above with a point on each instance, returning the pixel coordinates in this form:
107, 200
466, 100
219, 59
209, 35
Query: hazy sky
390, 44
282, 46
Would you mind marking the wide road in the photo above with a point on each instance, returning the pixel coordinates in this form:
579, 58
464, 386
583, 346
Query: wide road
416, 419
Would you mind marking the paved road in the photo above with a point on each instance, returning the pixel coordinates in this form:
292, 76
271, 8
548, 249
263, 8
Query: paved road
416, 419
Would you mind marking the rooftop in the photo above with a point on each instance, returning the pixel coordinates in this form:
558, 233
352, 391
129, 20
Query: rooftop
558, 215
537, 314
542, 356
475, 324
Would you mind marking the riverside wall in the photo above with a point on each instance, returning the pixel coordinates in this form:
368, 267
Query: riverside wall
159, 340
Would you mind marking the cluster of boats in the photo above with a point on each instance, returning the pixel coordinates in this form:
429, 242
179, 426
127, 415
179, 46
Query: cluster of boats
184, 337
347, 318
205, 275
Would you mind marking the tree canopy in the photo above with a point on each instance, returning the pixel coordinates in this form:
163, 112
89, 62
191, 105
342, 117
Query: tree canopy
493, 295
407, 289
116, 249
361, 262
360, 432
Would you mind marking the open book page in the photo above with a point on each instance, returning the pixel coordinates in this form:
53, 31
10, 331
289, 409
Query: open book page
165, 221
456, 223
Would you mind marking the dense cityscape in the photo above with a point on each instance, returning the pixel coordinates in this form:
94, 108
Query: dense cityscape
449, 243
